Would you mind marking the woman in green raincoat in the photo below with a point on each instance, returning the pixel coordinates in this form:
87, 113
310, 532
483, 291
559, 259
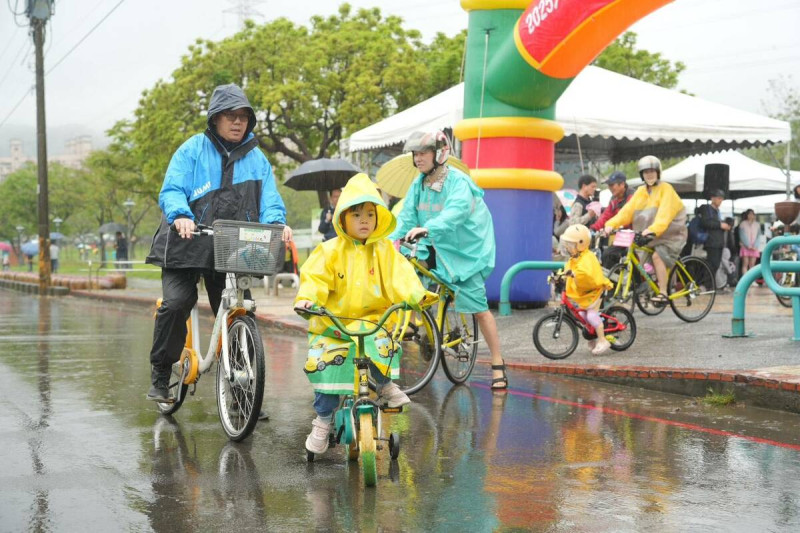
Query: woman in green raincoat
445, 209
356, 274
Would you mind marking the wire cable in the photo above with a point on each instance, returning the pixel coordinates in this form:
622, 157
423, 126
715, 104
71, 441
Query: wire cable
84, 37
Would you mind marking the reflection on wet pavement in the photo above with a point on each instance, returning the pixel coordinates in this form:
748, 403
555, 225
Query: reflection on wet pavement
83, 449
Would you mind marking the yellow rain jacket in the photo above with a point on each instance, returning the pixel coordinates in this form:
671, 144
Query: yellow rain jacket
588, 282
355, 279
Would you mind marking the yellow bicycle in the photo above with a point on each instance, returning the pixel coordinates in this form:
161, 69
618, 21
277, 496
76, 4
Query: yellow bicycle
457, 332
691, 288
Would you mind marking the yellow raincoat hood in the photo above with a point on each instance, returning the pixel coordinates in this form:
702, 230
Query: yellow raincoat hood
352, 279
358, 190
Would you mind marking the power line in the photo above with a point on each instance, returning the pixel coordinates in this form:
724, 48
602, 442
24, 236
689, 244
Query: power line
25, 46
16, 106
84, 37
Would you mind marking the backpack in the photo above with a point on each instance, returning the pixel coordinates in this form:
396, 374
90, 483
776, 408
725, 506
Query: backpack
697, 233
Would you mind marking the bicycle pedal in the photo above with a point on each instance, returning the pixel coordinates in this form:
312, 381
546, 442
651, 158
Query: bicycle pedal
393, 410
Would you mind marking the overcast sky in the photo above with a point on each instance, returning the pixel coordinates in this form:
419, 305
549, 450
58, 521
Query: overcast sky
731, 48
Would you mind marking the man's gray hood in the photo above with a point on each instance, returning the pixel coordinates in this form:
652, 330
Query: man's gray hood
231, 97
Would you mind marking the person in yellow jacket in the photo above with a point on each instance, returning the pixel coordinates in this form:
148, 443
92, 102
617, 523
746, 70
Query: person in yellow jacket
655, 209
357, 274
585, 282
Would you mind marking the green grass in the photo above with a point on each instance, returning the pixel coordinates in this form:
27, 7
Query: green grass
718, 398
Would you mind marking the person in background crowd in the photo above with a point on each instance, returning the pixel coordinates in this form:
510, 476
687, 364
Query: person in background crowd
579, 213
716, 228
621, 193
326, 226
53, 257
749, 236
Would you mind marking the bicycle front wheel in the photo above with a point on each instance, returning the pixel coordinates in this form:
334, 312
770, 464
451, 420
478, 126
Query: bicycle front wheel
618, 275
555, 336
366, 445
692, 289
239, 395
459, 344
419, 338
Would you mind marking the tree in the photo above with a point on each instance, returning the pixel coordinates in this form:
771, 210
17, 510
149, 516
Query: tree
783, 103
310, 87
621, 56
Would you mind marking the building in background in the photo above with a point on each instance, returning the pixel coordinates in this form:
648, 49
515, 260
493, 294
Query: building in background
77, 150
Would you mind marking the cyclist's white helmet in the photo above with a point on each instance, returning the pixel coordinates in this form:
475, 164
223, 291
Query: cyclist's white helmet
579, 235
649, 162
436, 141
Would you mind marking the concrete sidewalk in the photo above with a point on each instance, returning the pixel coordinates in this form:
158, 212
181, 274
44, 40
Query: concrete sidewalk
668, 354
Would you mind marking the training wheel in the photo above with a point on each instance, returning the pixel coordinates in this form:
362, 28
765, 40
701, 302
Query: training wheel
394, 445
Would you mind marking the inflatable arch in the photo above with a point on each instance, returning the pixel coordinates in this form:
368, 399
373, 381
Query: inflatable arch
521, 56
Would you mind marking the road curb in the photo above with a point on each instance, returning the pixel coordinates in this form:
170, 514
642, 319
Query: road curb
760, 388
271, 321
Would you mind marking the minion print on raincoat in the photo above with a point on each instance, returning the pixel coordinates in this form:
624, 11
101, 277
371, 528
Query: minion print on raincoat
355, 279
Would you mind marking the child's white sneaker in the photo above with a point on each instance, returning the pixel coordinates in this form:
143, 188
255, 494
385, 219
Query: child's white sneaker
394, 396
601, 346
317, 440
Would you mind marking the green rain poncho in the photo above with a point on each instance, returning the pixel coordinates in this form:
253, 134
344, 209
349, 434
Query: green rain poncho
458, 222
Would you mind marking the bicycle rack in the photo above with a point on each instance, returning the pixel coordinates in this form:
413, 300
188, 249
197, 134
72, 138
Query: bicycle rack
505, 285
765, 270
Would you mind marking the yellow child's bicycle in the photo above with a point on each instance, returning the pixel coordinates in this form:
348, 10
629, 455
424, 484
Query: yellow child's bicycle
241, 250
691, 288
457, 332
357, 420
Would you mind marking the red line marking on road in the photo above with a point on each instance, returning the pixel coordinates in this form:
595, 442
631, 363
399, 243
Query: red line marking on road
611, 411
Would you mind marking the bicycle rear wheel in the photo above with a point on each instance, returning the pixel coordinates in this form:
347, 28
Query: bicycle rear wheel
174, 384
624, 337
696, 286
239, 397
555, 336
786, 279
643, 296
459, 344
421, 343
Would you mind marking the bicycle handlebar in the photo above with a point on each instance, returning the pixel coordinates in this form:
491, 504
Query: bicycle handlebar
411, 245
200, 229
321, 311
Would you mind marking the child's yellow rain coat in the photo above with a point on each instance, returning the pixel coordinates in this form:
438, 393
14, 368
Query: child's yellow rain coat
352, 279
588, 282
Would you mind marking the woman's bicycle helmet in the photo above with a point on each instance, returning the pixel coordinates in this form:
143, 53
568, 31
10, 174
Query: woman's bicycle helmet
436, 141
649, 162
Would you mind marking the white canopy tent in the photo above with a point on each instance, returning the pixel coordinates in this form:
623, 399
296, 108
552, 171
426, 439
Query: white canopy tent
606, 117
748, 177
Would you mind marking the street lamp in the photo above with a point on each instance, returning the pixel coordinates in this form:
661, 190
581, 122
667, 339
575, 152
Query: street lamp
128, 206
20, 229
57, 221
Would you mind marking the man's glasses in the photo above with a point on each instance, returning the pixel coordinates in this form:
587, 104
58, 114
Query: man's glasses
233, 115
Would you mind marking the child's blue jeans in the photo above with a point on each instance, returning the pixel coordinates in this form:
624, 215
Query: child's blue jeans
324, 404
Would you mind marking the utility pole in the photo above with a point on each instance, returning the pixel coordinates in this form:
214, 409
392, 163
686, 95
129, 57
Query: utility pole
39, 12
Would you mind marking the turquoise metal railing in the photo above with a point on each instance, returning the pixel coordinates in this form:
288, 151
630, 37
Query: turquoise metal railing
505, 284
766, 270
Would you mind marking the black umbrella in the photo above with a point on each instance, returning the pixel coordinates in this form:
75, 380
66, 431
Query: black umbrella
112, 227
321, 175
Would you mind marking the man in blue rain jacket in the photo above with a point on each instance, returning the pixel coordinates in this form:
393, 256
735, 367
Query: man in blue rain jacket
217, 174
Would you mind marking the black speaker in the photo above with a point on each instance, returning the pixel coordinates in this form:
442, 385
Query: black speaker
717, 176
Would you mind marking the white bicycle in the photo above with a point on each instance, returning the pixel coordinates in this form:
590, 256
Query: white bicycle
241, 250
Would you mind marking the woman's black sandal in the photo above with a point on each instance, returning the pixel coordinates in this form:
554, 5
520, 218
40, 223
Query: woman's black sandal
503, 380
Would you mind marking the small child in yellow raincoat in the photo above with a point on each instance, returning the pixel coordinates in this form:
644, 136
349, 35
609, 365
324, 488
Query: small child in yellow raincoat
358, 274
586, 285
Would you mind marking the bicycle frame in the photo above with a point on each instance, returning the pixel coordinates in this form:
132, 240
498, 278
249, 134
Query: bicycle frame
632, 261
612, 324
232, 304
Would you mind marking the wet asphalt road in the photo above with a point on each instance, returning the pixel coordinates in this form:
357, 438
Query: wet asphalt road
83, 450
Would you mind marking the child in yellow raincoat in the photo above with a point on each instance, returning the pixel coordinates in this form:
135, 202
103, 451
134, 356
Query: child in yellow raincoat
358, 274
587, 283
